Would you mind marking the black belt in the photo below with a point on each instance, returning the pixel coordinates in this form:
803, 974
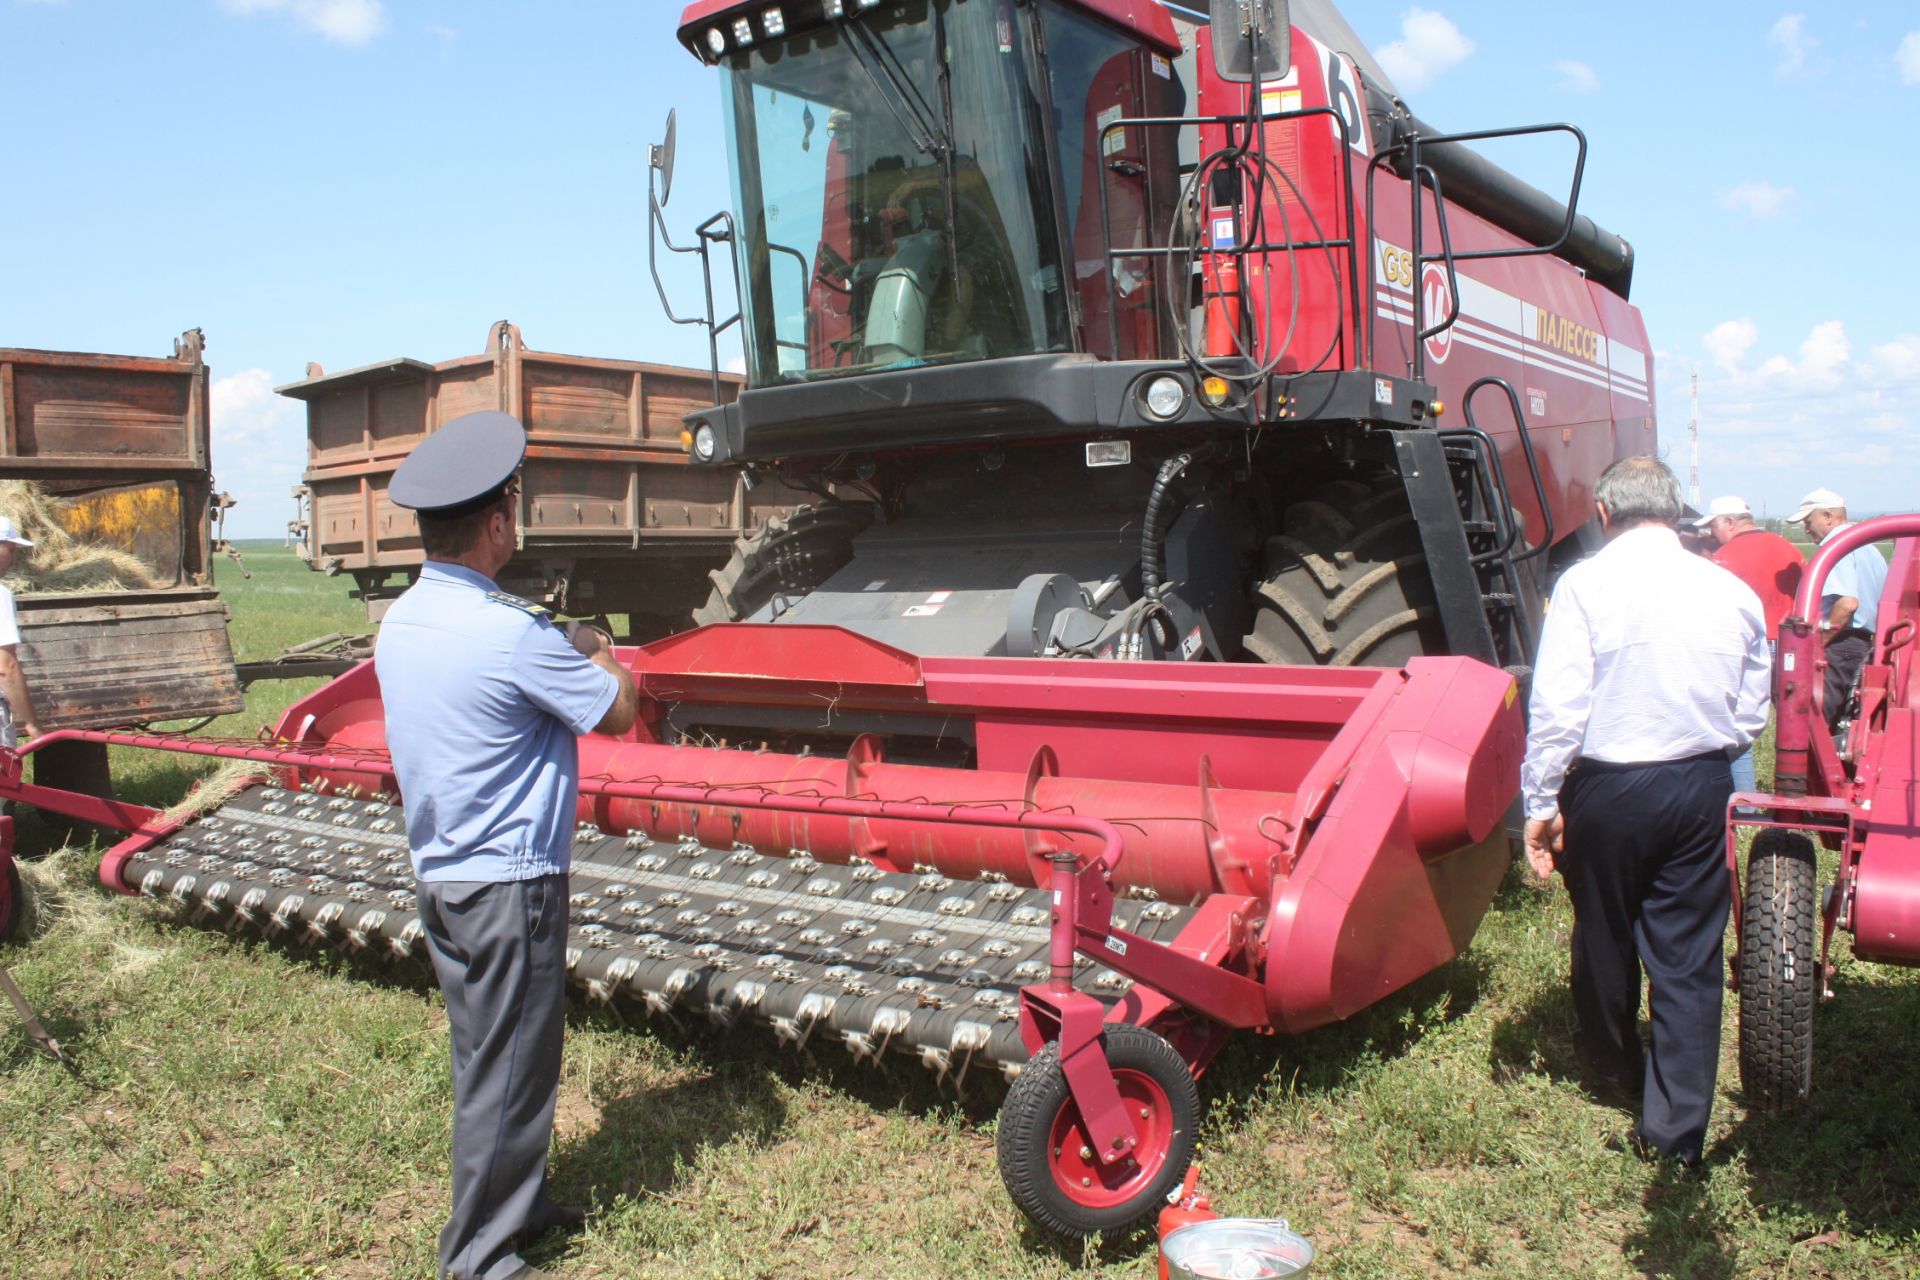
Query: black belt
1616, 766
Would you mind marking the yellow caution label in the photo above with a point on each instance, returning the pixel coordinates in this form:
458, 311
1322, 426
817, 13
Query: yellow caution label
1513, 691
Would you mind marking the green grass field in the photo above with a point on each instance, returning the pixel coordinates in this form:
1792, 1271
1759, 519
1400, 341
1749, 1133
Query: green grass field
254, 1110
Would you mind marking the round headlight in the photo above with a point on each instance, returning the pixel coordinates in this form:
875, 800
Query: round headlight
704, 444
716, 41
1166, 397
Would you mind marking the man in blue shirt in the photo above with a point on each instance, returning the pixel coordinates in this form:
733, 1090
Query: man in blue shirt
485, 698
1849, 602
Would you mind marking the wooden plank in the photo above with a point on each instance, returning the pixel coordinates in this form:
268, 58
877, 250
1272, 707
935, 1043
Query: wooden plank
94, 666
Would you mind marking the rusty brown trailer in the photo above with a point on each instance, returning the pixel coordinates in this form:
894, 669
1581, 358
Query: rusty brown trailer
123, 441
612, 518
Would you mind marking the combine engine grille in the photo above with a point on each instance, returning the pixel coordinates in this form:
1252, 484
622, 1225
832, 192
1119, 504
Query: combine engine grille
877, 960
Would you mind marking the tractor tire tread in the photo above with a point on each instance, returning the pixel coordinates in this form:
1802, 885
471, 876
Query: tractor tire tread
1778, 971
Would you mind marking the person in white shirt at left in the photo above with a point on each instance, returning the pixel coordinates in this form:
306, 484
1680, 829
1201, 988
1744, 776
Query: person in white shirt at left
1653, 673
18, 723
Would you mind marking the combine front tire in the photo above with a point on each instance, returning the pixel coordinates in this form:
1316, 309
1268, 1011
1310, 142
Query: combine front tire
1346, 583
1779, 971
789, 555
1045, 1158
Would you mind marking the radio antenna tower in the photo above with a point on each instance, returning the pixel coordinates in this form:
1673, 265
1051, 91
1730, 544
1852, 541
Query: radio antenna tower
1693, 434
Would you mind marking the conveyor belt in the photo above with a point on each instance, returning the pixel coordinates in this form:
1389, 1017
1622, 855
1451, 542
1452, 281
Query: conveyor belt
878, 960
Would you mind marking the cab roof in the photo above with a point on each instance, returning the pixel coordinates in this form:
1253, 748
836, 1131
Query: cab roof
1146, 18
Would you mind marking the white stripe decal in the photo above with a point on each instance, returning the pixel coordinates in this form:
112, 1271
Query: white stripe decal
1500, 344
1537, 352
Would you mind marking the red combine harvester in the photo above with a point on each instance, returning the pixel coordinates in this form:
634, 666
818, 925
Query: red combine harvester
1149, 666
1859, 793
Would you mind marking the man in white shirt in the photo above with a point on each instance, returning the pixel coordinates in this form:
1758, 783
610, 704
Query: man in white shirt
17, 720
1653, 672
1849, 602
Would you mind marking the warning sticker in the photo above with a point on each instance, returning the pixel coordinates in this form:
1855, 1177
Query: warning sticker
1274, 102
1191, 645
1382, 391
1112, 143
1117, 946
1223, 234
876, 586
921, 611
939, 597
1162, 67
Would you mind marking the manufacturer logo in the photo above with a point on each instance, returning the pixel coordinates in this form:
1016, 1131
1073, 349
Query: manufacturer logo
1436, 297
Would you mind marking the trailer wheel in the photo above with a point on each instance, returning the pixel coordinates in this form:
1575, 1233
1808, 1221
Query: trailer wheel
1779, 976
1346, 583
1051, 1174
13, 898
789, 554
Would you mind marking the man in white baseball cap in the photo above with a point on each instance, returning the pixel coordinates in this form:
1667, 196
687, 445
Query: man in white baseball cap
17, 719
1849, 602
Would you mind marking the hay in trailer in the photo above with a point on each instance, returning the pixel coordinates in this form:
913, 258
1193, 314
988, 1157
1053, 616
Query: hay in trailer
57, 561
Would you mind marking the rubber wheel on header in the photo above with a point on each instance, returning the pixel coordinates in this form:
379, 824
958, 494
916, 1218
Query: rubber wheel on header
1043, 1151
1779, 971
788, 555
1346, 582
13, 898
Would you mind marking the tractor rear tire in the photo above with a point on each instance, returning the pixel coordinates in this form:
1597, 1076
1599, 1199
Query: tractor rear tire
1779, 971
1346, 583
1052, 1176
788, 555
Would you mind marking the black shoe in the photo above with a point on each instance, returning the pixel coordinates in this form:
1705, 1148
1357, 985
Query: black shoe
570, 1218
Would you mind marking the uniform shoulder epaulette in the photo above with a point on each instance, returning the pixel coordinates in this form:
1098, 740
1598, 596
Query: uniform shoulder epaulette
521, 603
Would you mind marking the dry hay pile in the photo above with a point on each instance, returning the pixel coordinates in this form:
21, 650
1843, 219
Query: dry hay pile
56, 562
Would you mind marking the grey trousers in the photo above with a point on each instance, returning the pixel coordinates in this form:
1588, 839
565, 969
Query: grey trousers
500, 953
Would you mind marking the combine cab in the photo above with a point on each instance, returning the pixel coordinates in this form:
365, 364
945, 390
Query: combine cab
1148, 666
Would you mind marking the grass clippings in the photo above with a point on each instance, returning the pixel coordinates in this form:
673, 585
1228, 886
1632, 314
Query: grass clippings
57, 562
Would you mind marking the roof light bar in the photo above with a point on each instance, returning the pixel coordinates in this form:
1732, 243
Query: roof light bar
742, 32
716, 41
774, 23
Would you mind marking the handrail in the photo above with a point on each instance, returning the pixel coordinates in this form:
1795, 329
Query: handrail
1348, 242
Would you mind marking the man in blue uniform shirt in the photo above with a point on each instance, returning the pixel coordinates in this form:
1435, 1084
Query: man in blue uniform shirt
1849, 604
485, 698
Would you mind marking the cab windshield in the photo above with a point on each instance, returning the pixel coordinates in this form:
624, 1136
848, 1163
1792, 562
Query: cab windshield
890, 174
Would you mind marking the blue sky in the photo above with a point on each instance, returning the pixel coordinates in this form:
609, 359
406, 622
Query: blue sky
344, 181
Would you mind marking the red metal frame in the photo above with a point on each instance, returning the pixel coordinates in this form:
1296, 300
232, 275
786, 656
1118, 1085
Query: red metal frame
1862, 802
1144, 18
1341, 829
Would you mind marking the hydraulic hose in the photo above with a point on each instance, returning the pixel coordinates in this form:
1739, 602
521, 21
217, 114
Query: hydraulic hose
1159, 511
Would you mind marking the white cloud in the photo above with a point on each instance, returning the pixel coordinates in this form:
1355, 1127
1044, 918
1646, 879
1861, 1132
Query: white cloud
350, 22
1795, 45
1729, 341
1757, 199
1815, 415
1576, 76
1429, 46
1907, 58
258, 440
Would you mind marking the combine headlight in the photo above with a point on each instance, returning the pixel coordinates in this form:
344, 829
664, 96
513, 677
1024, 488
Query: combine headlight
716, 41
869, 4
1166, 397
742, 32
774, 23
832, 8
704, 444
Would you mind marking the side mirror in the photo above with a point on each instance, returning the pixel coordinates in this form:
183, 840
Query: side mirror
660, 158
1251, 37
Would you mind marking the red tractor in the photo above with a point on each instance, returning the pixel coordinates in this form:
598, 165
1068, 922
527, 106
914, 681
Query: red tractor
1149, 664
1857, 792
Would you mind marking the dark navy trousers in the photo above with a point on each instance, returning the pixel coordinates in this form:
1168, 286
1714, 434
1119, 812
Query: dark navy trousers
500, 952
1645, 865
